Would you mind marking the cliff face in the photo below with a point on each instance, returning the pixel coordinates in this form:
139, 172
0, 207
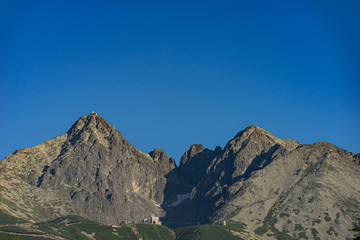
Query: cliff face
276, 187
95, 168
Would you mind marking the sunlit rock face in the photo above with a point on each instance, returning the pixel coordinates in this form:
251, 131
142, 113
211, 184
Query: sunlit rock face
104, 177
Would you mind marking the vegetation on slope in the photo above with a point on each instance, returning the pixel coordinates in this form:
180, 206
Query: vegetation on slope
76, 227
150, 231
8, 219
210, 232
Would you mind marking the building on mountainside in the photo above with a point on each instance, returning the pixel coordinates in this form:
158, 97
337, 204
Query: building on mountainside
155, 220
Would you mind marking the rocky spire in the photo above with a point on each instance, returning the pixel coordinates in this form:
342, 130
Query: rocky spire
189, 154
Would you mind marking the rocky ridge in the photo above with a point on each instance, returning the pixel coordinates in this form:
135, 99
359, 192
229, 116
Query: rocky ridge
278, 188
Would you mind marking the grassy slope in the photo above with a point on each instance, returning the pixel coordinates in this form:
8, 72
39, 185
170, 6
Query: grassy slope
8, 219
150, 231
74, 227
70, 227
209, 232
4, 236
16, 229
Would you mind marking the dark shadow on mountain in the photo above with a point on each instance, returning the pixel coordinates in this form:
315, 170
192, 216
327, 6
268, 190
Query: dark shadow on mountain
211, 185
258, 163
182, 180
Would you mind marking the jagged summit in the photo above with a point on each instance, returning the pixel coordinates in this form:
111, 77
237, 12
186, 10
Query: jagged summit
252, 129
260, 137
189, 154
90, 121
159, 155
94, 128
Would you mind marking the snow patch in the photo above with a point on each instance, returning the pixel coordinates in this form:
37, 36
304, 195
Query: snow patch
179, 199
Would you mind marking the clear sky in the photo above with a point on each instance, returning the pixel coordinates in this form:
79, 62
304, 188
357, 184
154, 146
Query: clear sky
170, 74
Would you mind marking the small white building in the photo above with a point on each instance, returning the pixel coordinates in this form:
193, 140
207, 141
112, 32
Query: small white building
155, 220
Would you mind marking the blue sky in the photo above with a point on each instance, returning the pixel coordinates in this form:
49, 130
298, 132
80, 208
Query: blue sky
172, 73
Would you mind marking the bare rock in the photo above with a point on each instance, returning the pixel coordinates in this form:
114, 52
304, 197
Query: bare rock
96, 169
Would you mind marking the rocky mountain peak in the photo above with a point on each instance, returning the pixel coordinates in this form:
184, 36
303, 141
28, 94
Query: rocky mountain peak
103, 176
189, 154
259, 137
158, 155
251, 130
94, 128
89, 122
161, 159
252, 135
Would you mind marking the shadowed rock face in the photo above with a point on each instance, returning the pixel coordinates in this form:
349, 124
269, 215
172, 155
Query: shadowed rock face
357, 158
105, 177
194, 163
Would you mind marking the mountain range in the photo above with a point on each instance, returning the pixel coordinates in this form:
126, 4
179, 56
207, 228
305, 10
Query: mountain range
276, 188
